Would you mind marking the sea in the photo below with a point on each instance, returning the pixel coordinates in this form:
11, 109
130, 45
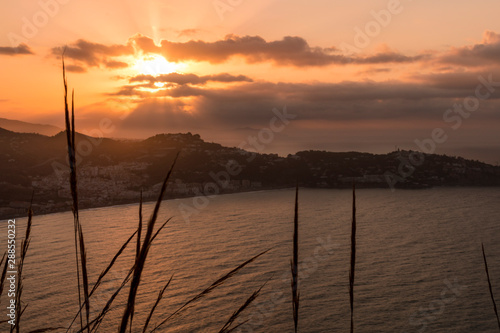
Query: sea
419, 264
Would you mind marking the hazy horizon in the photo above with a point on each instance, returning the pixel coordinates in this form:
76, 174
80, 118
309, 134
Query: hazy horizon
283, 149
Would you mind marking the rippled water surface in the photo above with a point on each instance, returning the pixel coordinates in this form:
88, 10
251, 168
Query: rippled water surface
419, 263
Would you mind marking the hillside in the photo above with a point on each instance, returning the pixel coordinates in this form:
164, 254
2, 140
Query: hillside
24, 127
114, 171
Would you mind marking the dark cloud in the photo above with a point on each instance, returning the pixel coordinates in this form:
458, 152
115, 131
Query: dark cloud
389, 57
18, 50
143, 43
485, 53
115, 64
182, 91
94, 54
75, 69
250, 104
133, 91
323, 92
158, 116
289, 51
465, 81
194, 79
188, 32
375, 70
225, 77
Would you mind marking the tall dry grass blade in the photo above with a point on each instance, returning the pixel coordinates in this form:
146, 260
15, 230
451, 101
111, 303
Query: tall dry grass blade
205, 292
103, 274
140, 262
111, 263
154, 215
24, 250
139, 231
85, 279
73, 147
234, 316
159, 230
78, 273
4, 271
108, 268
137, 253
107, 307
490, 288
70, 138
295, 262
79, 240
73, 183
353, 256
12, 328
98, 319
96, 322
1, 261
160, 296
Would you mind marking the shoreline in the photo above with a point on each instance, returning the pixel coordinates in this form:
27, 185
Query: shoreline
5, 217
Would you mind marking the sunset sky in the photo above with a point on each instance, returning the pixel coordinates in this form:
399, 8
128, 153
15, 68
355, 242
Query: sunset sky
357, 75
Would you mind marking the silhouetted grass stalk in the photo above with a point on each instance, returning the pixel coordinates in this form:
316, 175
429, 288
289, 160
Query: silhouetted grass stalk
139, 231
208, 290
79, 240
134, 274
137, 253
96, 322
4, 271
226, 328
353, 256
295, 262
19, 290
158, 299
103, 274
489, 286
141, 258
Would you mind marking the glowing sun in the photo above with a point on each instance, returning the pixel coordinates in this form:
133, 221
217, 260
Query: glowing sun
156, 65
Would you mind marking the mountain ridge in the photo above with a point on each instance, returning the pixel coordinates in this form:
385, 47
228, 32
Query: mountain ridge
114, 172
26, 127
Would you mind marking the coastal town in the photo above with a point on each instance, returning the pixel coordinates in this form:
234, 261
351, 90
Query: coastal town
120, 172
